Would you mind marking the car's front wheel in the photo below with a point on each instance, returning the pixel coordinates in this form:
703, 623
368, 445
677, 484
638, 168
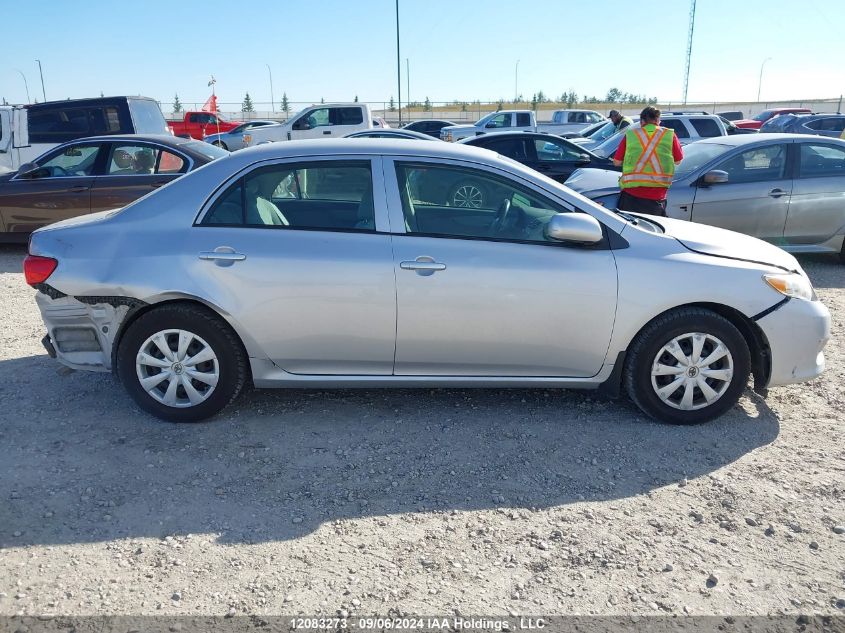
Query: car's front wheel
181, 363
687, 366
220, 144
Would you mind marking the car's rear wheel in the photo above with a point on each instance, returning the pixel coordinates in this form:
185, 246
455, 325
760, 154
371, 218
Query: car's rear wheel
220, 144
181, 363
842, 252
687, 366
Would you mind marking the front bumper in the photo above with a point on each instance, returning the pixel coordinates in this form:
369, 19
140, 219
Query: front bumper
797, 333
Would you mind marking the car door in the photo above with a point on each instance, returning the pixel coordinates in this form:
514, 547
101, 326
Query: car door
817, 206
314, 123
134, 169
755, 199
58, 189
298, 252
480, 293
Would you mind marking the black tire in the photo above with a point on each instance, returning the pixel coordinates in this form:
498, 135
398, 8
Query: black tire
221, 145
660, 332
842, 252
231, 359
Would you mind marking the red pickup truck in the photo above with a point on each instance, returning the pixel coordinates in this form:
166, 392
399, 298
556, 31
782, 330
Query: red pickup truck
200, 124
757, 122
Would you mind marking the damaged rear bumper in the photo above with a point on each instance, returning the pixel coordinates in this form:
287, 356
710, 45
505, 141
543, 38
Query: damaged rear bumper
81, 331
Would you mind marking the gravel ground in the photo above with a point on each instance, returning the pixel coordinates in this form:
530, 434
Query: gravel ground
483, 501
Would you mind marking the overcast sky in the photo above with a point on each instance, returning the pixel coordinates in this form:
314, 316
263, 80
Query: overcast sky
458, 49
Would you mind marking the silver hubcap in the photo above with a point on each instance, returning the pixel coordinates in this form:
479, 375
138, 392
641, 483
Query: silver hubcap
177, 368
692, 371
468, 196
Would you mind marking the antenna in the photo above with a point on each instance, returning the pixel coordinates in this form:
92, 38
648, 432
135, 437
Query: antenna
689, 47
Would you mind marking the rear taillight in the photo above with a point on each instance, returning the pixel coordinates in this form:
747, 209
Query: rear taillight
37, 269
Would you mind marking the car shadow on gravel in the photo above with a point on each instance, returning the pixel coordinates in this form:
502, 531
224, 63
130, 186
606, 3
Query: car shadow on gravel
80, 463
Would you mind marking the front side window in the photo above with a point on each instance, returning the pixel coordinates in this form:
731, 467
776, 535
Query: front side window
553, 151
500, 120
332, 195
756, 165
315, 118
143, 160
459, 202
821, 160
76, 160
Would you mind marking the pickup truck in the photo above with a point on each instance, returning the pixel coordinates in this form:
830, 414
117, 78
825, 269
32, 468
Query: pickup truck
199, 124
516, 121
28, 131
326, 120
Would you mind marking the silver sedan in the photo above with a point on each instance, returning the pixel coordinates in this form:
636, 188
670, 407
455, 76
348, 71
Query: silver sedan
342, 264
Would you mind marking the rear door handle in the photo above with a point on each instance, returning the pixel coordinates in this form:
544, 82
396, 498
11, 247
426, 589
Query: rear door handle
222, 256
327, 131
78, 189
423, 265
777, 193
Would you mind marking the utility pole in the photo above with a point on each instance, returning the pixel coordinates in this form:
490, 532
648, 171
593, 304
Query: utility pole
399, 65
760, 82
40, 72
26, 85
408, 85
516, 82
272, 106
689, 47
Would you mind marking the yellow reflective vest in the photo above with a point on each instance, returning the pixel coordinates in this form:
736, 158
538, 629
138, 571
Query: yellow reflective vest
648, 160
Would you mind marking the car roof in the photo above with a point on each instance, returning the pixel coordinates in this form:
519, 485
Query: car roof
167, 139
747, 139
517, 133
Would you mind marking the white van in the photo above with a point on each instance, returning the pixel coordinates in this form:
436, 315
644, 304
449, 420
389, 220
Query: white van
326, 120
26, 132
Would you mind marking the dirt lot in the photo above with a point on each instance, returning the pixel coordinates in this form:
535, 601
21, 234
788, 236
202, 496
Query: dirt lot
485, 502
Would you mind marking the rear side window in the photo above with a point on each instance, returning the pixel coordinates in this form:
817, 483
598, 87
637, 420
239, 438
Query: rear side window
331, 195
510, 147
523, 119
349, 116
821, 160
677, 125
706, 127
142, 160
59, 124
830, 124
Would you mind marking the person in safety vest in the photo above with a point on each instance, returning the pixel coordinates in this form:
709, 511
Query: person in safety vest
619, 120
648, 155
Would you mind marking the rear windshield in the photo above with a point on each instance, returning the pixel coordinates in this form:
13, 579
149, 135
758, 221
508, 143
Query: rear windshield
147, 117
206, 149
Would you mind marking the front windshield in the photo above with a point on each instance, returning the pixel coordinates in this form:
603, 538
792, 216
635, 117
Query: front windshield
207, 149
485, 118
608, 147
764, 115
698, 154
603, 132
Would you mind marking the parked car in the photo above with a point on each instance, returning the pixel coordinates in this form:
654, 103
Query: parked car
819, 124
317, 121
786, 189
380, 122
330, 264
519, 121
391, 133
586, 132
431, 127
200, 124
26, 132
597, 137
731, 115
551, 155
234, 138
756, 122
91, 175
687, 127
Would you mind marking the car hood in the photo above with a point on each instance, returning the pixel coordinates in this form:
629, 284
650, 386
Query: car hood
594, 183
452, 128
711, 240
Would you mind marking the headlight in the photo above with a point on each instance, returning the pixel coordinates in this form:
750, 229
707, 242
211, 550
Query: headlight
791, 285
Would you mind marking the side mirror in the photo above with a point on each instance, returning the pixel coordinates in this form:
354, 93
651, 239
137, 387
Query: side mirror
715, 177
27, 170
583, 158
575, 227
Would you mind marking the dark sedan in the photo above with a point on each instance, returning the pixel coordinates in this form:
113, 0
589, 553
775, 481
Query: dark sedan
551, 155
431, 127
93, 174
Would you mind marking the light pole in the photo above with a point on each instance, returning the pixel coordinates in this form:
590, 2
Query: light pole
399, 67
516, 82
272, 106
26, 85
408, 84
41, 72
760, 83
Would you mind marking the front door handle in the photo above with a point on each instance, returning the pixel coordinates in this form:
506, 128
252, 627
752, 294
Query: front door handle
222, 256
78, 189
423, 265
777, 193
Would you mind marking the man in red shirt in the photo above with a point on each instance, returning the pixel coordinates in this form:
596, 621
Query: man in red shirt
646, 163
